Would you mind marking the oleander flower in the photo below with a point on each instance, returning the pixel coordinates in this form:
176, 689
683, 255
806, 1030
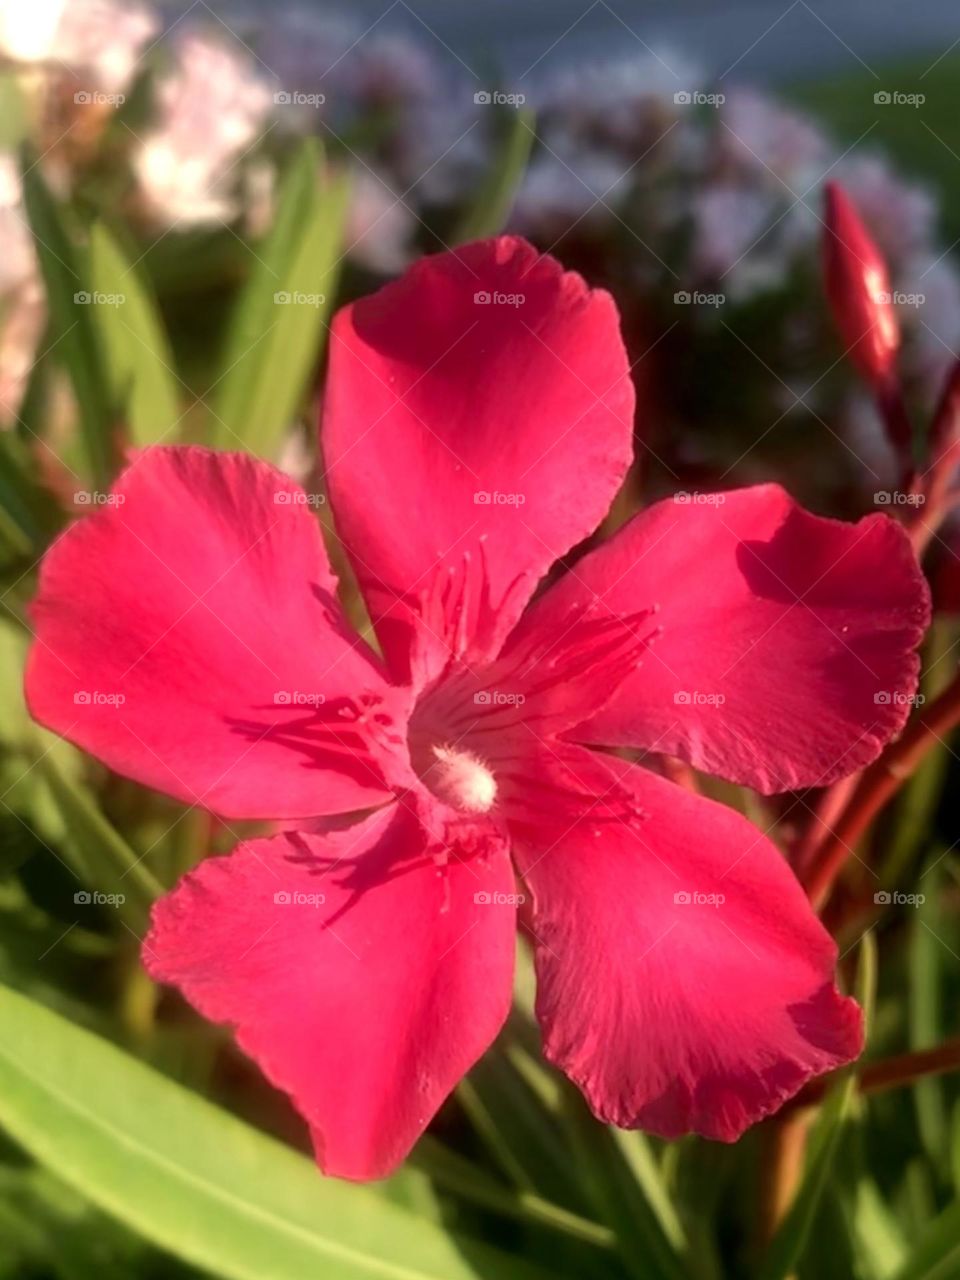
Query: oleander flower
478, 422
101, 39
859, 290
212, 105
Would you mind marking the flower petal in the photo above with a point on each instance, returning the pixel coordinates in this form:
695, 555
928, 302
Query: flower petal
362, 977
785, 654
187, 634
683, 981
470, 443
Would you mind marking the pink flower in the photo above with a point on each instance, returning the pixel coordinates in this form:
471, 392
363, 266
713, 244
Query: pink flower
859, 290
478, 423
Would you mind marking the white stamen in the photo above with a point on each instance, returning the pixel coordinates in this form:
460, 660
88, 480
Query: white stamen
462, 780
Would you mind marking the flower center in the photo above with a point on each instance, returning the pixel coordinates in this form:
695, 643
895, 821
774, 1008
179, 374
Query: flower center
460, 779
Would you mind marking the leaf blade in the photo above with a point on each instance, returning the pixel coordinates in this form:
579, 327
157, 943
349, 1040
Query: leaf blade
196, 1180
138, 356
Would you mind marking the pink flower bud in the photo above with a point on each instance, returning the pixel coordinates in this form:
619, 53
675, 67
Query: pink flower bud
858, 289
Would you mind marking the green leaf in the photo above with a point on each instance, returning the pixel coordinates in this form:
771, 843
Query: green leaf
787, 1246
937, 1256
103, 859
466, 1180
197, 1181
75, 336
138, 356
618, 1197
14, 117
277, 335
489, 210
926, 993
55, 1232
518, 1132
24, 509
880, 1243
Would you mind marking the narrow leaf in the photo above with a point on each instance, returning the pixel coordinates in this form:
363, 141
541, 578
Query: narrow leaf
787, 1246
937, 1256
197, 1181
491, 206
138, 356
105, 862
75, 336
277, 339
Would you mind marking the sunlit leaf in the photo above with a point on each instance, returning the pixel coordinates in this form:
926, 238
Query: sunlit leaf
199, 1182
138, 356
490, 207
278, 333
75, 335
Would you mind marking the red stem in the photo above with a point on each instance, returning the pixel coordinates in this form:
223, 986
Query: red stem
876, 786
889, 1073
